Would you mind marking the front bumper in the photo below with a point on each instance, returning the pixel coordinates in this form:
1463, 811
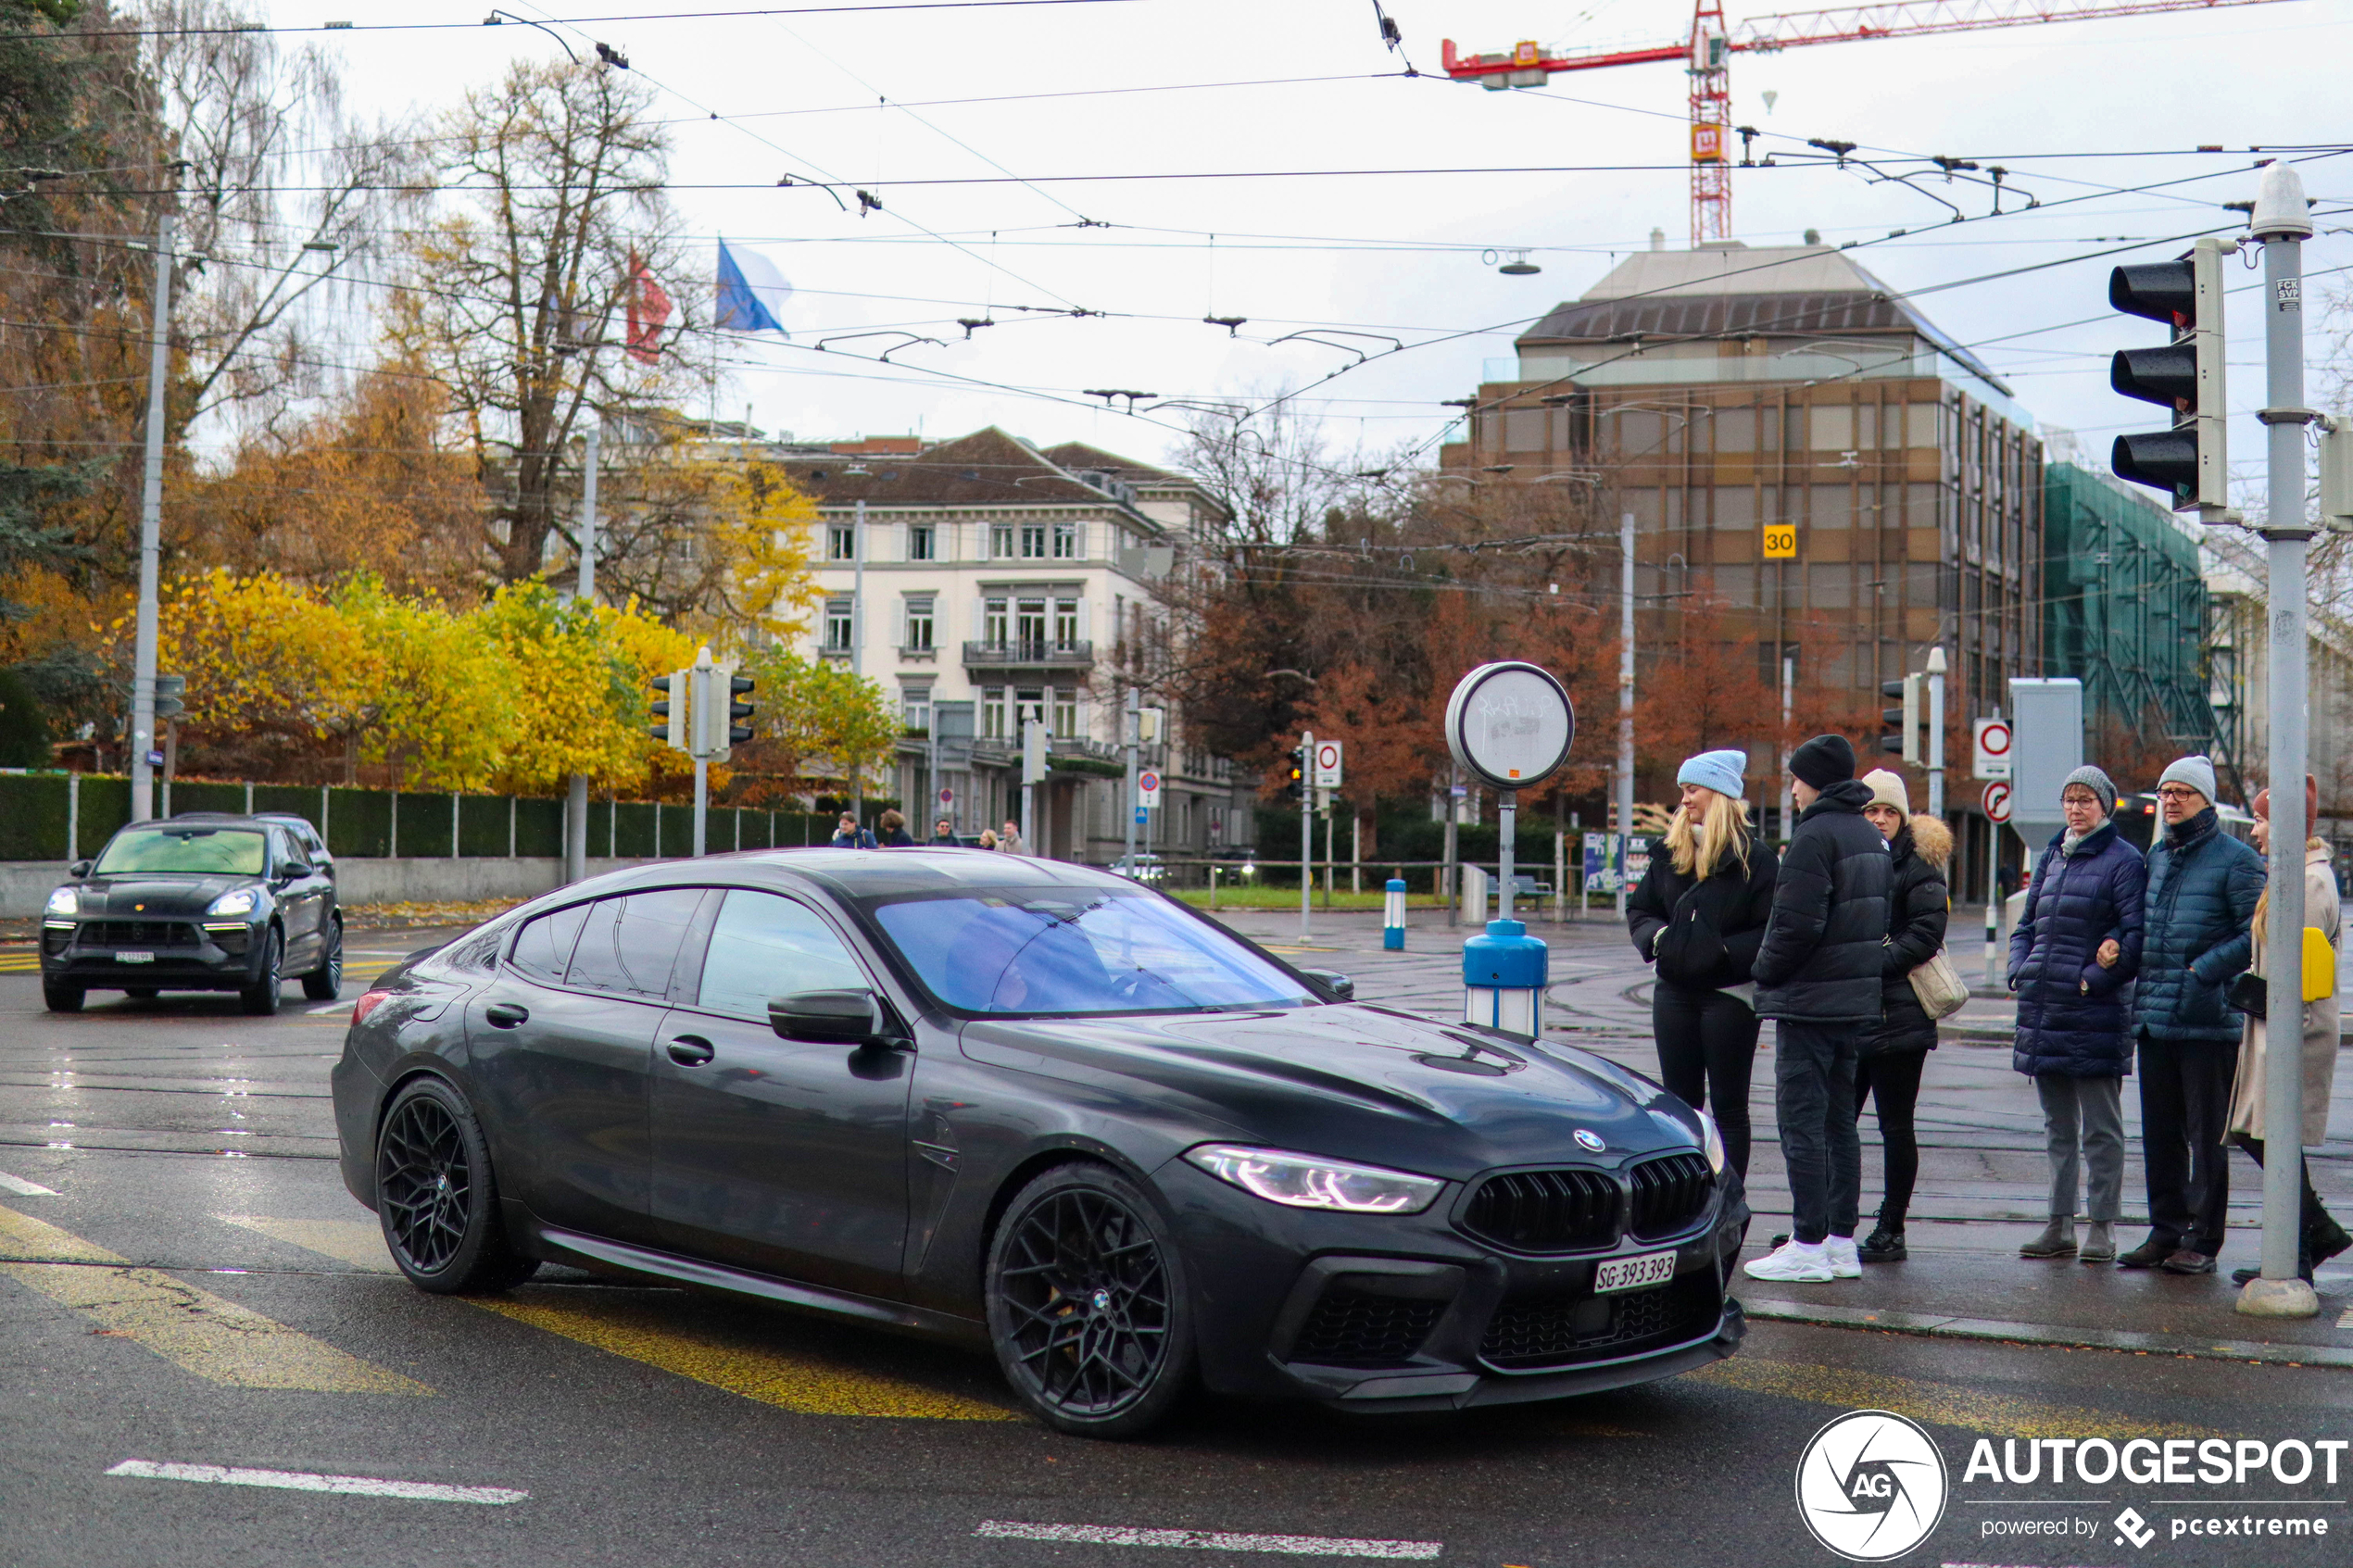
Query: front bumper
181, 955
1382, 1314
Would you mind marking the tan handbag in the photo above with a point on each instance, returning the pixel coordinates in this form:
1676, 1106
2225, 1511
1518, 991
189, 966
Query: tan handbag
1939, 986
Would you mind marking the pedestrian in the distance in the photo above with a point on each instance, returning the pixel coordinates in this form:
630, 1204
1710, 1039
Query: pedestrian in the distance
2072, 959
1008, 840
849, 835
2320, 1237
987, 838
1817, 976
1699, 915
1891, 1058
2196, 919
943, 832
894, 834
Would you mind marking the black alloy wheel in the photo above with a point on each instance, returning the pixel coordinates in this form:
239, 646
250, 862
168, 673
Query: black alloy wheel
436, 1196
58, 997
325, 983
260, 998
1086, 1304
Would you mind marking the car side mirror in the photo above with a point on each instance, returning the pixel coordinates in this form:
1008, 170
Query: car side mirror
80, 869
290, 870
1338, 984
850, 1017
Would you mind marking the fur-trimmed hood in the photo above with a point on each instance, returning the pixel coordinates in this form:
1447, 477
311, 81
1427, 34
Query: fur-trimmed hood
1932, 840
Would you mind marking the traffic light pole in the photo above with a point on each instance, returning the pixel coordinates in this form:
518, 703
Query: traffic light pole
143, 647
1133, 722
2280, 223
584, 590
1625, 704
1306, 827
1936, 732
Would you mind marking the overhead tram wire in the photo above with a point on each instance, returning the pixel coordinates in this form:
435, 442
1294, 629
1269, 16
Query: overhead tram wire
568, 22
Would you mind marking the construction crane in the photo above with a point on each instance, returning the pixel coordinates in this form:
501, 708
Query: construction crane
1707, 53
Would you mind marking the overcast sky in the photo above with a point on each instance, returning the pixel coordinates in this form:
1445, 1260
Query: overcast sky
1392, 257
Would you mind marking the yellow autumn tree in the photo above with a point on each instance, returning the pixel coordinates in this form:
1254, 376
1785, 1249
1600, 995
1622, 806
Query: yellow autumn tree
267, 662
444, 704
579, 676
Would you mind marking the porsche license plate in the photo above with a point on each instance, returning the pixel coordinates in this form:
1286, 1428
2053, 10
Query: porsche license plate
134, 958
1633, 1273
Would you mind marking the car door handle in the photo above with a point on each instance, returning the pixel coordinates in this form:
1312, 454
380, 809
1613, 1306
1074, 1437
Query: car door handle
690, 1050
506, 1015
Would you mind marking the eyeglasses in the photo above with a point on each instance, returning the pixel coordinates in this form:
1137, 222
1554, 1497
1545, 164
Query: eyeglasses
2175, 792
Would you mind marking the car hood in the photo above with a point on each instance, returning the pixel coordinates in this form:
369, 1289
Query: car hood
119, 898
1354, 1081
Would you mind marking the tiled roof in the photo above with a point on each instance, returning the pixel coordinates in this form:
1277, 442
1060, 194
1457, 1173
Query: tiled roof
1077, 454
987, 468
1702, 315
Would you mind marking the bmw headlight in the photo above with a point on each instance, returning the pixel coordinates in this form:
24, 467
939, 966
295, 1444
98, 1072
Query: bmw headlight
65, 901
1711, 1142
1308, 1181
239, 902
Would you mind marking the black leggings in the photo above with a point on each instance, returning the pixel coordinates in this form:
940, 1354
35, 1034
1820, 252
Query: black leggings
1895, 1078
1707, 1046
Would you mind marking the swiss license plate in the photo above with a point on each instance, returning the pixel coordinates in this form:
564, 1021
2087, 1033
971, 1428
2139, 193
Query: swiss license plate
134, 958
1633, 1273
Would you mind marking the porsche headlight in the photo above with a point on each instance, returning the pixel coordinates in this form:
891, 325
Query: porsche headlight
1308, 1181
65, 901
1711, 1142
239, 902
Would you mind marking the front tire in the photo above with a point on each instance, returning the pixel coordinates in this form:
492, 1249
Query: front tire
436, 1199
62, 998
325, 983
1089, 1309
260, 998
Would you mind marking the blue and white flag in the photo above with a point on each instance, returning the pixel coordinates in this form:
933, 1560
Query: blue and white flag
751, 291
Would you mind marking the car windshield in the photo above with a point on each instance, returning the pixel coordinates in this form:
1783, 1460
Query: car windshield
235, 851
1077, 951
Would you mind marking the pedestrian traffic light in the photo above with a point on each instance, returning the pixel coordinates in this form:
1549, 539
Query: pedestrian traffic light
738, 710
2189, 461
1900, 726
670, 711
1297, 787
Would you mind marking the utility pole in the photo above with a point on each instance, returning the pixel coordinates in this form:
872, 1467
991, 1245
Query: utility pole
2282, 223
1133, 721
1936, 732
1788, 693
858, 638
1625, 703
1306, 827
702, 707
584, 590
143, 656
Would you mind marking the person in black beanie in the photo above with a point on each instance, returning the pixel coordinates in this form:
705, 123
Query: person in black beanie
1818, 977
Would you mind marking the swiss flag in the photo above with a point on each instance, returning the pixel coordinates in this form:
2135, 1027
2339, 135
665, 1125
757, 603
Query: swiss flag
649, 308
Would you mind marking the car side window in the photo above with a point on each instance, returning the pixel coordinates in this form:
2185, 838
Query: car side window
544, 946
631, 942
763, 946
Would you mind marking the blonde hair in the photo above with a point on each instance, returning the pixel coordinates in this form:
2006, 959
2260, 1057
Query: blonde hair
1700, 851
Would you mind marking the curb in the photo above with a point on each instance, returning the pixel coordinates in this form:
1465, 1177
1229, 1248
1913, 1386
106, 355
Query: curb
1933, 1327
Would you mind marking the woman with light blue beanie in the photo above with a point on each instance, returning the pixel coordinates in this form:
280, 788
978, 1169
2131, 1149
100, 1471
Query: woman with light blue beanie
1699, 915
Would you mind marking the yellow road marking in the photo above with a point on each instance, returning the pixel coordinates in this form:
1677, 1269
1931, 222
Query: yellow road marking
193, 1329
1945, 1404
608, 1321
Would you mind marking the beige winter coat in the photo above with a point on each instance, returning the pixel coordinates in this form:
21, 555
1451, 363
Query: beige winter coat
2321, 908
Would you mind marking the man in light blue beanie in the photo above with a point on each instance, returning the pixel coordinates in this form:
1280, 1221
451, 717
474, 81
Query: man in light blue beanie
1719, 770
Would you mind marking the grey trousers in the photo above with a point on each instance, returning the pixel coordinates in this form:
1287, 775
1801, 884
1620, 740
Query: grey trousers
2085, 1115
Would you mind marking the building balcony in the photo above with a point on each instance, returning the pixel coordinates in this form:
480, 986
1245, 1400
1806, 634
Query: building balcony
1028, 656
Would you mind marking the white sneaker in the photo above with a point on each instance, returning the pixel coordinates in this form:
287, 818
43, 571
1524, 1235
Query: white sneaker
1845, 1262
1793, 1260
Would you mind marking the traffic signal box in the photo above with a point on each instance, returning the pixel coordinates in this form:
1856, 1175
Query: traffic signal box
1900, 728
670, 711
2189, 461
1297, 786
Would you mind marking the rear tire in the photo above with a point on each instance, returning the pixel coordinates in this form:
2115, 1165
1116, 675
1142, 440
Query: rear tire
260, 998
1089, 1307
62, 998
436, 1199
325, 983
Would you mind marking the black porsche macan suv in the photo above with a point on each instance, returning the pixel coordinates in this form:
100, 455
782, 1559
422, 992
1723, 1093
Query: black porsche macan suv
201, 902
1039, 1108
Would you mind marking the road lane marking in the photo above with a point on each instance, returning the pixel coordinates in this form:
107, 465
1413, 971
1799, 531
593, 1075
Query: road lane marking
351, 1241
194, 1330
1945, 1404
788, 1380
23, 1188
1208, 1540
302, 1481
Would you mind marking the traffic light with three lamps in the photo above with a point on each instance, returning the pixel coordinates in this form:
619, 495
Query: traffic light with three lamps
1297, 786
1900, 726
2190, 461
670, 711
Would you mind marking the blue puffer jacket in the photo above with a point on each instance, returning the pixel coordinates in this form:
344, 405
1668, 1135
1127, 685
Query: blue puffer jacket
2203, 887
2075, 1018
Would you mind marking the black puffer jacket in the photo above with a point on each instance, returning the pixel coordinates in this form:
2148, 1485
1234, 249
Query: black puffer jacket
1918, 904
1703, 934
1824, 949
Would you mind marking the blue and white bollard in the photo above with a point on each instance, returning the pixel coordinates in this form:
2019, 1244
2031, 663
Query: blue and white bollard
1392, 915
1503, 975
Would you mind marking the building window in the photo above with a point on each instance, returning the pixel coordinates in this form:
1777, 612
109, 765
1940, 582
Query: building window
1029, 705
993, 623
1033, 541
992, 713
841, 542
1029, 625
840, 619
1000, 541
1066, 624
1066, 710
915, 703
919, 626
920, 543
1065, 541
